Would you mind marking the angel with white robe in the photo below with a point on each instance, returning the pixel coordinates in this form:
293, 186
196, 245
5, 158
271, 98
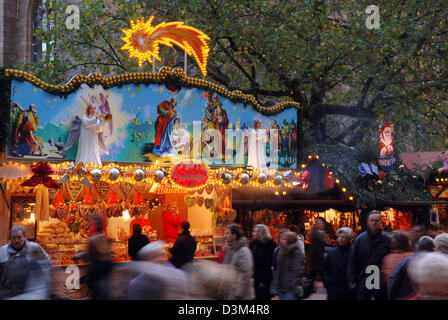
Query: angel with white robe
89, 130
256, 145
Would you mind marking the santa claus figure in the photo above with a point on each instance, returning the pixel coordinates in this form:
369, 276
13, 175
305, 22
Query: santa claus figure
386, 141
387, 156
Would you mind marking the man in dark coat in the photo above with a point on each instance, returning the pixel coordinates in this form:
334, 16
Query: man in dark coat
334, 275
369, 249
399, 285
184, 247
137, 241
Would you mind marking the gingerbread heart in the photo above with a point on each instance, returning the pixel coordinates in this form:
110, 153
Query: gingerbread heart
209, 188
208, 203
189, 201
200, 201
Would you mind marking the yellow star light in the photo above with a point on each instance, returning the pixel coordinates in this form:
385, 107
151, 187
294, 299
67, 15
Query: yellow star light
142, 41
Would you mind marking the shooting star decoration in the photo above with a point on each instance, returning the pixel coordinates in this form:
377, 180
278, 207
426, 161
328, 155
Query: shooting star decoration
142, 41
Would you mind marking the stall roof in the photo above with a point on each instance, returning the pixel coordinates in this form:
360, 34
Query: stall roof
410, 159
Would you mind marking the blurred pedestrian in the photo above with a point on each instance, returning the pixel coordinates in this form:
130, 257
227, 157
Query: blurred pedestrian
136, 241
209, 279
334, 275
429, 273
18, 261
100, 259
441, 243
158, 278
277, 249
149, 286
290, 268
369, 249
184, 247
399, 249
317, 252
300, 239
239, 256
262, 247
399, 285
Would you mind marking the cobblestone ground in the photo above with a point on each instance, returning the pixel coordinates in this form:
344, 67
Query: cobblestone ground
320, 293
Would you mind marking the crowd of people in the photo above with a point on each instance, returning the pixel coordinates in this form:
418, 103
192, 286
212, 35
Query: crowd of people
376, 265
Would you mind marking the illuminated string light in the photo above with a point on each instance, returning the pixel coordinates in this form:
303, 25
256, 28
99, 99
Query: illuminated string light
142, 41
145, 78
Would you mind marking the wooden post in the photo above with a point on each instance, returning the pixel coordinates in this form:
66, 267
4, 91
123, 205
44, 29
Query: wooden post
185, 63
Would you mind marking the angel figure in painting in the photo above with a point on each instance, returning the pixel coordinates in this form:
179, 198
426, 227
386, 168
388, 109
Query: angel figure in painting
89, 130
102, 106
256, 143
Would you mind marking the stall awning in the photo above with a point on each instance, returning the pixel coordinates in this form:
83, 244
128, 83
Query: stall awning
411, 159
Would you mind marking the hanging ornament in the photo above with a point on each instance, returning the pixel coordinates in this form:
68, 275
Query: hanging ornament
200, 201
209, 188
262, 178
189, 201
64, 179
102, 187
139, 175
208, 203
288, 175
95, 174
278, 180
69, 171
114, 173
226, 178
244, 178
158, 175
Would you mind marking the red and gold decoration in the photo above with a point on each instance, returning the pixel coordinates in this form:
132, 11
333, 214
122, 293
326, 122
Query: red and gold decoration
142, 41
41, 175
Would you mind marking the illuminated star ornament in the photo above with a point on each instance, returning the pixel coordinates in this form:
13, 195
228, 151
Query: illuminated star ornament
142, 41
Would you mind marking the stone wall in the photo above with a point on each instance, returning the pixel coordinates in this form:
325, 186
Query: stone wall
16, 27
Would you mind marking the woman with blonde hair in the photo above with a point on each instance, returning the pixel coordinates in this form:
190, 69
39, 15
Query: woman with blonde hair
262, 247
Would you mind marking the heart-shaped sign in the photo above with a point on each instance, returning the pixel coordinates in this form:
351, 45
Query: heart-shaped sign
74, 189
189, 201
126, 188
140, 187
209, 188
101, 187
200, 201
231, 215
208, 203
